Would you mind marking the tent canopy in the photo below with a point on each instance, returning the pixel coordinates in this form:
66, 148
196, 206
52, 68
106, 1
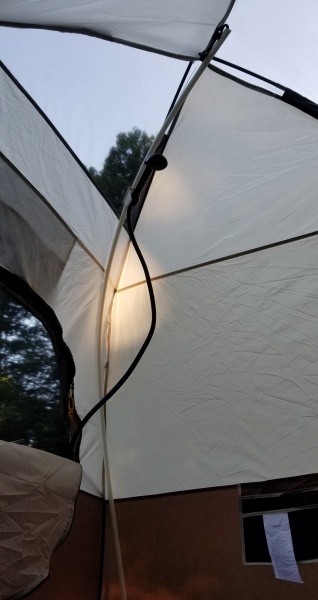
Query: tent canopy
226, 391
175, 28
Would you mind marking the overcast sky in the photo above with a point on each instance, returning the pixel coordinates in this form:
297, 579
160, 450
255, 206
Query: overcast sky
92, 89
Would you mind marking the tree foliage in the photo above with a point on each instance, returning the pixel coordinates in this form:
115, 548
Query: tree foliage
30, 404
122, 164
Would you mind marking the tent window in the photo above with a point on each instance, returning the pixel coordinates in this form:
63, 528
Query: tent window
31, 409
298, 496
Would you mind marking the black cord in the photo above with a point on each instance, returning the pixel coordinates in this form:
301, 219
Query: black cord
143, 348
181, 84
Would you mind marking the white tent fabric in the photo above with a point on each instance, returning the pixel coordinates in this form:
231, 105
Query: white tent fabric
226, 391
237, 181
178, 27
55, 233
47, 164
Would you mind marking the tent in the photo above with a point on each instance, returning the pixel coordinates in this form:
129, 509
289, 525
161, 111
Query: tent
225, 393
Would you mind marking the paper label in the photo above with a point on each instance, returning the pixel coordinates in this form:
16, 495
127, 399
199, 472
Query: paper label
280, 547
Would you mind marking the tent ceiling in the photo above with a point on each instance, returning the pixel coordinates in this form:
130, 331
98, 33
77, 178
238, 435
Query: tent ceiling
225, 392
275, 38
179, 27
247, 179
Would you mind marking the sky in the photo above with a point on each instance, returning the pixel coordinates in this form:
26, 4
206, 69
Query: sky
277, 39
92, 89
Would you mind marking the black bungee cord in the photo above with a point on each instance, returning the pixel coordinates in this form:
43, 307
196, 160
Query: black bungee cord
151, 165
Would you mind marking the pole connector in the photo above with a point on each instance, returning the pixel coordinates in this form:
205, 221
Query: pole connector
215, 38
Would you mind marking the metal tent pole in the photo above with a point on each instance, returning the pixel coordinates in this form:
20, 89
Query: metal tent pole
170, 117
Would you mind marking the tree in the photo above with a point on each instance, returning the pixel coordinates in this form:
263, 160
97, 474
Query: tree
31, 410
122, 164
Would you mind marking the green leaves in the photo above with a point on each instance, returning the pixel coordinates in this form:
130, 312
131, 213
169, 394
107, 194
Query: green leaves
31, 409
122, 165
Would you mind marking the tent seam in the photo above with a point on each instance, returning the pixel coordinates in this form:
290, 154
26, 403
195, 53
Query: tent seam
222, 259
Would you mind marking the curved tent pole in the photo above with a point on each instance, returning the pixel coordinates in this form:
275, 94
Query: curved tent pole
223, 33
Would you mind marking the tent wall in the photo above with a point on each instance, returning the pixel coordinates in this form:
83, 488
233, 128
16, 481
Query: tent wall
38, 154
226, 392
176, 27
188, 547
241, 174
55, 234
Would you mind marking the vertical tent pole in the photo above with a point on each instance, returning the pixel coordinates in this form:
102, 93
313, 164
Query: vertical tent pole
172, 114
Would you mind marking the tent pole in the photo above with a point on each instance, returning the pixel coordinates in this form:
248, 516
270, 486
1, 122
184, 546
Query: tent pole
112, 510
170, 117
179, 103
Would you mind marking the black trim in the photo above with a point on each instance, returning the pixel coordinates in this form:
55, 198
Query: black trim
181, 84
108, 38
27, 297
176, 118
246, 84
57, 133
248, 72
289, 96
300, 102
